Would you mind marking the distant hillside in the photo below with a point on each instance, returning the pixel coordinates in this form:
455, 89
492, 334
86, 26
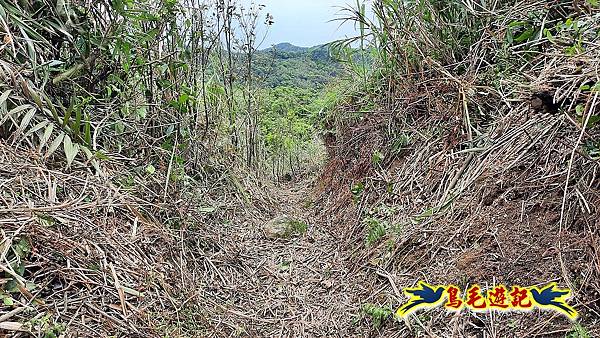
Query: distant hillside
287, 47
287, 65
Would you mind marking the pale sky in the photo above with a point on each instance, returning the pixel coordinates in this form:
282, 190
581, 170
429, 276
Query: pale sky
304, 22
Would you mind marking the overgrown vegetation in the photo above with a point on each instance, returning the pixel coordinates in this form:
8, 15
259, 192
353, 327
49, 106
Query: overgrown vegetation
475, 126
169, 111
104, 77
141, 143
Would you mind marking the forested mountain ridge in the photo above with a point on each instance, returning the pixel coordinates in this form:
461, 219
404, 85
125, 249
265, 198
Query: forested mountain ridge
288, 65
287, 47
160, 176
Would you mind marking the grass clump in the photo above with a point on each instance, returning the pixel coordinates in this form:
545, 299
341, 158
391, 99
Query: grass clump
298, 227
377, 230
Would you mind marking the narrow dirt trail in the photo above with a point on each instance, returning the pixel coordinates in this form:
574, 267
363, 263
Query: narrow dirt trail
297, 287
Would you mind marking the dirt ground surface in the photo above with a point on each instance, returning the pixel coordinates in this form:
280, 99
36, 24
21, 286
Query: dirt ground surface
297, 287
320, 283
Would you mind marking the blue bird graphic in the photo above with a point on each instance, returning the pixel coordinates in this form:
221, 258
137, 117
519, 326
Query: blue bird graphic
552, 298
423, 296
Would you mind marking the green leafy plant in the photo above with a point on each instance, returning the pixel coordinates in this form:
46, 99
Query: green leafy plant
7, 300
578, 331
47, 326
150, 169
377, 229
17, 256
592, 149
400, 143
357, 191
377, 157
377, 314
